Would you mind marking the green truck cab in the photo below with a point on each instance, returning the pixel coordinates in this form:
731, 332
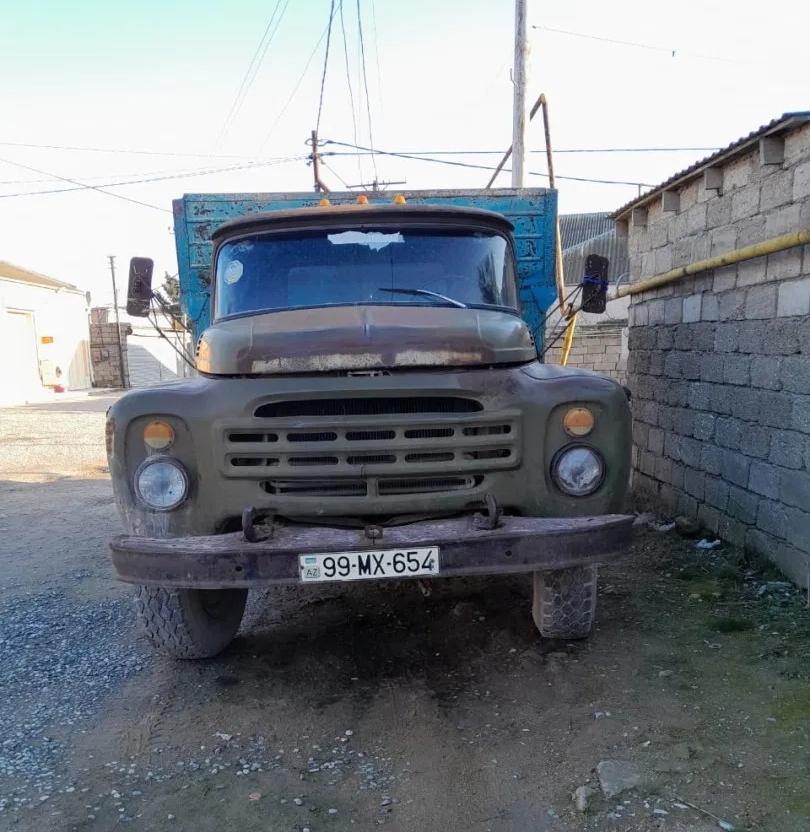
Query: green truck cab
369, 404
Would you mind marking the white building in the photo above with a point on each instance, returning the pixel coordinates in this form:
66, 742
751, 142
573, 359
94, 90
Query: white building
44, 336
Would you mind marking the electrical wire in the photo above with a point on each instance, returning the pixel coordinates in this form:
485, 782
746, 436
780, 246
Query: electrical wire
470, 164
351, 92
365, 84
325, 63
81, 186
247, 79
377, 59
84, 186
295, 89
570, 150
79, 149
336, 175
668, 50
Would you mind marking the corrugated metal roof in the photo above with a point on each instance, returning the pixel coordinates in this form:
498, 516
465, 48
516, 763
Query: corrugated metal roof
727, 154
577, 228
21, 275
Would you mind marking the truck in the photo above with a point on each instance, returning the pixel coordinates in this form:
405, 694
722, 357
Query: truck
371, 402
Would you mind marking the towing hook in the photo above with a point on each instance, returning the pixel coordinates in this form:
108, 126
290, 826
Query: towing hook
249, 531
492, 519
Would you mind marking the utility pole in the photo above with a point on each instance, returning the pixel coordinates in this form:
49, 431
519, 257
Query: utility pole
111, 258
519, 81
316, 165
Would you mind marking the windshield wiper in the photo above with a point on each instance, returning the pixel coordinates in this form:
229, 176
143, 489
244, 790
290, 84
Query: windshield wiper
424, 293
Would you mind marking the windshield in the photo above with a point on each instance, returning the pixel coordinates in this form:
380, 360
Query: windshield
387, 266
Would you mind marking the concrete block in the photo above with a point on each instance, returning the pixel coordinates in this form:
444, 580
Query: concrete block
713, 179
709, 518
725, 278
681, 252
750, 231
720, 399
728, 432
751, 336
744, 403
710, 308
666, 420
736, 369
690, 450
760, 303
782, 220
646, 463
687, 506
800, 419
663, 260
794, 372
642, 314
692, 309
711, 459
745, 202
735, 467
775, 409
690, 365
703, 336
771, 150
701, 246
672, 446
776, 190
801, 181
794, 296
738, 173
700, 396
694, 483
760, 543
716, 493
718, 214
787, 449
751, 272
765, 372
683, 420
656, 312
703, 426
683, 336
764, 479
689, 195
732, 305
784, 264
742, 505
731, 530
665, 338
755, 441
794, 489
647, 265
786, 336
772, 518
798, 529
797, 145
696, 218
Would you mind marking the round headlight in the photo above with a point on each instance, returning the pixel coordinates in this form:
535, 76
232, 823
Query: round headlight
161, 484
578, 470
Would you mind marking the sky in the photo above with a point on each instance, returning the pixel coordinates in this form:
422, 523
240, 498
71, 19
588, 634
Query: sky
152, 88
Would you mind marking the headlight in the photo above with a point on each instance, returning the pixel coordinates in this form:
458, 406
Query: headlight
161, 483
578, 470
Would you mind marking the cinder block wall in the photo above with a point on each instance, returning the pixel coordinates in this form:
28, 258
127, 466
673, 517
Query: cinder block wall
599, 348
719, 363
104, 348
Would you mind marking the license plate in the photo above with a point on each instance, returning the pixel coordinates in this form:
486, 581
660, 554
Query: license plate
362, 566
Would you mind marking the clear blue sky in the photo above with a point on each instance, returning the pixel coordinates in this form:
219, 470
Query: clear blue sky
162, 76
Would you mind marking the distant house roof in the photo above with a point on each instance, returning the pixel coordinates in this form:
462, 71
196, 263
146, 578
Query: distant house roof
744, 145
21, 275
578, 228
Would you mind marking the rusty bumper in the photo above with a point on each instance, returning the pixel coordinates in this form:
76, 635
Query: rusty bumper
519, 544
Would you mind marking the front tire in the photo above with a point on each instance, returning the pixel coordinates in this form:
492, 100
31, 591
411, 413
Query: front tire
190, 623
565, 602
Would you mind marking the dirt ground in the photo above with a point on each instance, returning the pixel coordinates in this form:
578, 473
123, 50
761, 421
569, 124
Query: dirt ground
371, 705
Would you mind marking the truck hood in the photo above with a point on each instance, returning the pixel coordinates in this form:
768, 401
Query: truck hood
340, 338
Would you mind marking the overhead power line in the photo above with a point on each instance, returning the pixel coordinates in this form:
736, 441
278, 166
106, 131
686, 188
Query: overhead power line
349, 85
365, 84
325, 62
80, 149
674, 53
251, 72
295, 88
355, 149
81, 186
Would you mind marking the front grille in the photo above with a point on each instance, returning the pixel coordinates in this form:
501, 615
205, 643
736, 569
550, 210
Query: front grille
393, 406
372, 448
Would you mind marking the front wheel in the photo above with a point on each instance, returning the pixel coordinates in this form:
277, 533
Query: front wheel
190, 623
565, 602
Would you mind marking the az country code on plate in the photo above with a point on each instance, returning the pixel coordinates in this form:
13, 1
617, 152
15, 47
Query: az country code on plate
359, 566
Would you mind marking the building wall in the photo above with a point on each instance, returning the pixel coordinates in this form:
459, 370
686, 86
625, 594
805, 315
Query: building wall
105, 351
601, 348
61, 340
719, 363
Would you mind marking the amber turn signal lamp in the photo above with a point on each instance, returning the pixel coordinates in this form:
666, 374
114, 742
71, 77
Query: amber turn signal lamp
578, 421
362, 199
158, 436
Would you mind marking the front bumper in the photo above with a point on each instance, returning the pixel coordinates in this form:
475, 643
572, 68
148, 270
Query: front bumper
519, 544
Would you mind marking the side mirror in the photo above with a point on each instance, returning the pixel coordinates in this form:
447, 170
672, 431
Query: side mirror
594, 284
139, 290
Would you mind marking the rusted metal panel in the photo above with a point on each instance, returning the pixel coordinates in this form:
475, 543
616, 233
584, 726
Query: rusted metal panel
524, 544
531, 211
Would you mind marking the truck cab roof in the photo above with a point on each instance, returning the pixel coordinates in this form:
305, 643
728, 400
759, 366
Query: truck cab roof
360, 214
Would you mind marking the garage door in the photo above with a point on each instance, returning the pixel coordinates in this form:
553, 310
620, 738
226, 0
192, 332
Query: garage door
20, 367
151, 360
